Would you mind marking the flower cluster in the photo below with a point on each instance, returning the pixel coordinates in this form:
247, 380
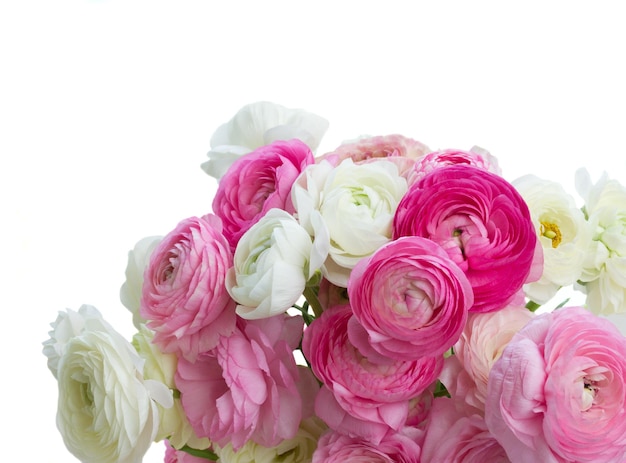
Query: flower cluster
374, 303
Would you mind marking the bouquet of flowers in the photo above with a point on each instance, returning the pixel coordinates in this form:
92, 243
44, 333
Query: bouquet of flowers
382, 302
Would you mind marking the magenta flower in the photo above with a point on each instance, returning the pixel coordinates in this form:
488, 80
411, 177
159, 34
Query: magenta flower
411, 298
184, 299
484, 225
248, 388
558, 392
258, 182
361, 396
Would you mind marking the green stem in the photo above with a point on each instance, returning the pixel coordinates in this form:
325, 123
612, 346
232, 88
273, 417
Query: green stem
311, 297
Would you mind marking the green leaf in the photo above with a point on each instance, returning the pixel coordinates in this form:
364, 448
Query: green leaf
206, 453
532, 306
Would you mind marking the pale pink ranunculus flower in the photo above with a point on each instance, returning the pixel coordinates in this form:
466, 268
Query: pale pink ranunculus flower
364, 394
184, 299
476, 156
558, 392
411, 298
484, 225
330, 294
456, 435
402, 151
258, 182
480, 345
396, 447
248, 386
173, 455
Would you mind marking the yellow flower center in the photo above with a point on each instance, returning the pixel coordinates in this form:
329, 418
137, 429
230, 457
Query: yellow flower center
552, 232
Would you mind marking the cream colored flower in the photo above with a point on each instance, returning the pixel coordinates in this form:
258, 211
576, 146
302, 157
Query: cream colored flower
563, 232
357, 203
106, 412
604, 268
299, 449
273, 261
259, 124
130, 292
173, 425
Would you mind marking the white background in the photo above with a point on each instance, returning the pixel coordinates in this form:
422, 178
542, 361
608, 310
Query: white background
107, 109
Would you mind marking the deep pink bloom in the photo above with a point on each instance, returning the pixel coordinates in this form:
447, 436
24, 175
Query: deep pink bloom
184, 298
450, 157
455, 436
399, 447
411, 298
484, 225
248, 388
361, 396
257, 182
400, 150
558, 392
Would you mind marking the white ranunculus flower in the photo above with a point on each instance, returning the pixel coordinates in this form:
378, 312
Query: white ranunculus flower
299, 449
357, 202
106, 412
174, 425
563, 232
273, 261
138, 259
604, 272
68, 325
259, 124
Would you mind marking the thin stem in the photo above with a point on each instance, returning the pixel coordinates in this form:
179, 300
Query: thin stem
311, 297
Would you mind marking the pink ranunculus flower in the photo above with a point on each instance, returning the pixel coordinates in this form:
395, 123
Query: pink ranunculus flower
330, 294
184, 298
411, 298
484, 225
482, 341
456, 435
400, 150
364, 394
173, 455
248, 386
558, 392
258, 182
397, 447
477, 157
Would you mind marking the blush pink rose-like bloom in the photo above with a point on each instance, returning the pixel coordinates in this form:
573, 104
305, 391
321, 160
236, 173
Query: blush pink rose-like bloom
362, 396
178, 456
484, 225
484, 337
411, 298
184, 299
400, 150
257, 182
455, 435
558, 392
248, 387
399, 447
475, 157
